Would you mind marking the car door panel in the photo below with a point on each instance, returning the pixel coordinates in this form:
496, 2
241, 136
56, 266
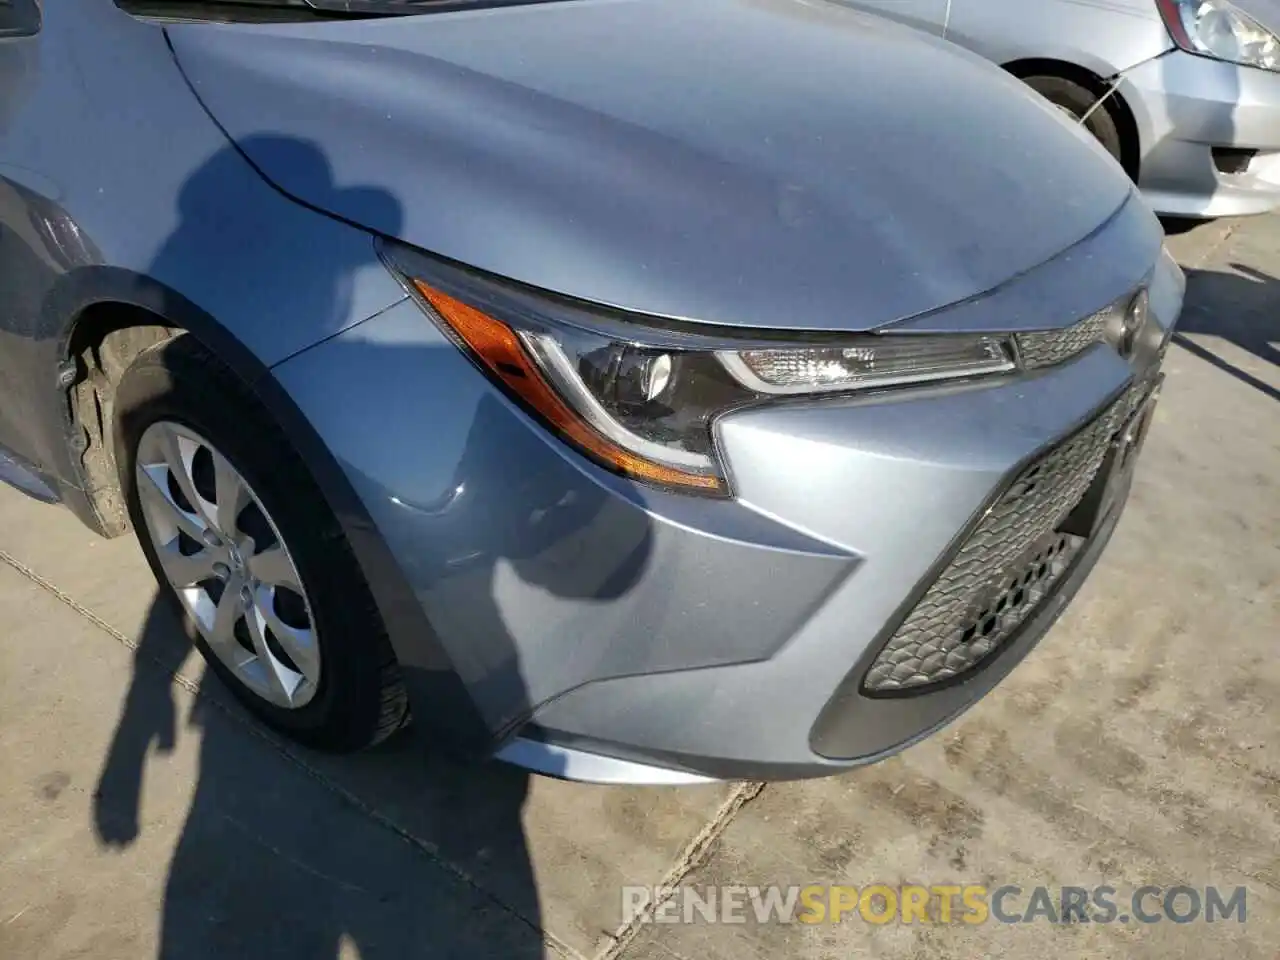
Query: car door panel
23, 271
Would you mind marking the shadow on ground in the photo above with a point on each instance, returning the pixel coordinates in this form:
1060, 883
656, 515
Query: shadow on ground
1241, 307
268, 865
1177, 226
284, 853
277, 858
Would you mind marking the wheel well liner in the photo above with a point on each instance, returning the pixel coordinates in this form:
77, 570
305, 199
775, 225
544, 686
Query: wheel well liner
104, 341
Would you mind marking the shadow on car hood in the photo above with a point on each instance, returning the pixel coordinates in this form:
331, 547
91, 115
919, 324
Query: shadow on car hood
757, 163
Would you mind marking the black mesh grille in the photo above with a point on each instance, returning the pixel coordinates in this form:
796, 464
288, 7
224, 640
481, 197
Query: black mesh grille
1013, 557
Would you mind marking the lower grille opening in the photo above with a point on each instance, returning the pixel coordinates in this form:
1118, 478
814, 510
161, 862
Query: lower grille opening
1233, 159
1002, 614
1009, 564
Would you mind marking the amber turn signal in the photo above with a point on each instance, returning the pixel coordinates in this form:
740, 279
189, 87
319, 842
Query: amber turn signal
502, 353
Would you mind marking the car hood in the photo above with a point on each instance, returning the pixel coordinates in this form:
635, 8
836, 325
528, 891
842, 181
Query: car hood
756, 163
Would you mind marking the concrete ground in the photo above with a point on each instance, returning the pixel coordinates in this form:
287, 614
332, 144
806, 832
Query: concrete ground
143, 815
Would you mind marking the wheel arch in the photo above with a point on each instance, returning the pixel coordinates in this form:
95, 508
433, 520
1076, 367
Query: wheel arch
137, 313
1116, 105
114, 315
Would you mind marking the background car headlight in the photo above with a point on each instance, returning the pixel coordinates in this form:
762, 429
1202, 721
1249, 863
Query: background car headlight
1219, 29
641, 400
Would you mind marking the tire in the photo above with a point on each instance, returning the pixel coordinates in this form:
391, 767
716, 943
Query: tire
1078, 101
358, 698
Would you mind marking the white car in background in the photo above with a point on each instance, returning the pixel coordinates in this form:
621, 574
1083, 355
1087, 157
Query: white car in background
1184, 93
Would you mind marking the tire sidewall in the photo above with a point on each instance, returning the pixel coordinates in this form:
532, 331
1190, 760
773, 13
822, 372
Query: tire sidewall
178, 383
1079, 101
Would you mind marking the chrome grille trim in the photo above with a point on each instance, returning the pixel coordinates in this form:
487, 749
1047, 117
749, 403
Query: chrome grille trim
1044, 348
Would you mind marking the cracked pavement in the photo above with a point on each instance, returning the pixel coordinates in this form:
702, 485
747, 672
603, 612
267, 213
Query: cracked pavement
142, 813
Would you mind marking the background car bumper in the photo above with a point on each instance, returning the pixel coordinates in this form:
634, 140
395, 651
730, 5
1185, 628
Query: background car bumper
1196, 116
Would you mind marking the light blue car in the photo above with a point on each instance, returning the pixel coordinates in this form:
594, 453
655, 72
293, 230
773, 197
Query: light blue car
1184, 93
637, 390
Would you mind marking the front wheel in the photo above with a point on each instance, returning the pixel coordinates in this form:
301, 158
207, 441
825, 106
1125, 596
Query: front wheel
241, 539
1078, 102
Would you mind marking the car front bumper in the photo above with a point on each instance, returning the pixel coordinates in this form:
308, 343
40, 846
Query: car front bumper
919, 522
602, 630
1196, 116
880, 727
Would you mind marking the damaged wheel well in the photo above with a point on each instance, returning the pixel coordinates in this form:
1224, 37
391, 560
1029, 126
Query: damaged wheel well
104, 341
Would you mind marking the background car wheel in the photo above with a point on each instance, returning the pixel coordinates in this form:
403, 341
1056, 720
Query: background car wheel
1077, 101
240, 538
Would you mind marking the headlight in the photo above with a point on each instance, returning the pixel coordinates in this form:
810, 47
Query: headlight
641, 398
641, 401
880, 361
1218, 29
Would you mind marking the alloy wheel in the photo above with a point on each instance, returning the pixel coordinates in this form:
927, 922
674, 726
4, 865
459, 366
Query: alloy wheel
226, 561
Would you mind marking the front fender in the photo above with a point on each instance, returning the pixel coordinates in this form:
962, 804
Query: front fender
1105, 38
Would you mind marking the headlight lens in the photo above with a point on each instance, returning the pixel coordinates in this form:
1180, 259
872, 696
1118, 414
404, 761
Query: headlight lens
1219, 29
645, 409
642, 399
642, 411
652, 402
879, 362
